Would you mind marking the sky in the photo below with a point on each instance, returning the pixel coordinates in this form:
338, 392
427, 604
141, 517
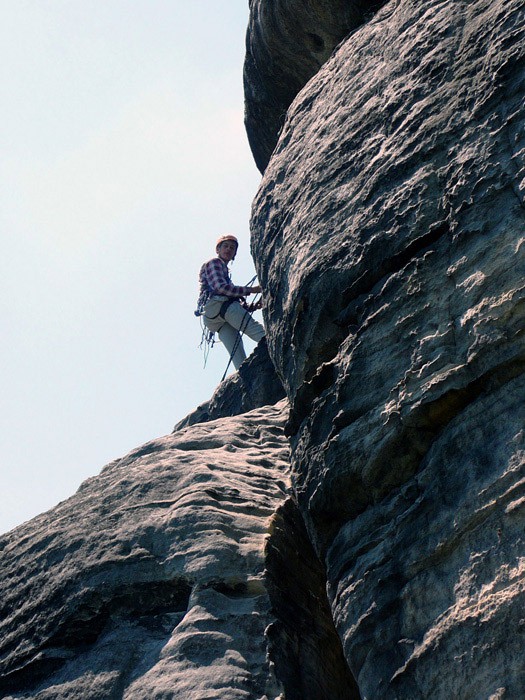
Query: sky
124, 157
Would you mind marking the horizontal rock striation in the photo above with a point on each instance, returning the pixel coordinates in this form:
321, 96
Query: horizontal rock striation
389, 235
149, 582
174, 574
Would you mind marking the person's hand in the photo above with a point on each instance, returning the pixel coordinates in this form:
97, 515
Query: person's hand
255, 290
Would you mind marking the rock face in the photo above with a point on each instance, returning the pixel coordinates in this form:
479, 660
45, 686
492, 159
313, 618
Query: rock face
148, 583
286, 44
378, 550
389, 232
168, 576
255, 384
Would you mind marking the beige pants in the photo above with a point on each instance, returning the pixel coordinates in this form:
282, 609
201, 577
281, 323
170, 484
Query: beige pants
228, 327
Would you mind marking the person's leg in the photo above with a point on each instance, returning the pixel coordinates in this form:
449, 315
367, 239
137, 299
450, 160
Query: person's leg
239, 318
230, 338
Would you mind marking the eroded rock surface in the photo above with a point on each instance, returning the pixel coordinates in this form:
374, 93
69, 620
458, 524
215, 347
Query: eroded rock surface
286, 44
149, 582
389, 235
182, 571
255, 384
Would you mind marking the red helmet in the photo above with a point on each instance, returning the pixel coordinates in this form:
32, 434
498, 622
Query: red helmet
227, 237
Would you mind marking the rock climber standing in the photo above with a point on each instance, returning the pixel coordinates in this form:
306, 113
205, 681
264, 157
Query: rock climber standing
222, 304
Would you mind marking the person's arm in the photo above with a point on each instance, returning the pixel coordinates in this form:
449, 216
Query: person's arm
220, 283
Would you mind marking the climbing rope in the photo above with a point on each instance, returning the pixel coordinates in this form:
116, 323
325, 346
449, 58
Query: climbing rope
207, 341
240, 332
208, 337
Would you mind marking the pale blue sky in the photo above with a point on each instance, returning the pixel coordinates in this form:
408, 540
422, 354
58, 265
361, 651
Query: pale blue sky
124, 156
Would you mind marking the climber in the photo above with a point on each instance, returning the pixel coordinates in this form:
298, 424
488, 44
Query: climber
222, 304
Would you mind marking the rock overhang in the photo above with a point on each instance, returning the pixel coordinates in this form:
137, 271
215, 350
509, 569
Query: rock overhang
286, 44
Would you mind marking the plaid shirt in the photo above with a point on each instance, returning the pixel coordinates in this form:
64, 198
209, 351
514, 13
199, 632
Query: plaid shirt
214, 278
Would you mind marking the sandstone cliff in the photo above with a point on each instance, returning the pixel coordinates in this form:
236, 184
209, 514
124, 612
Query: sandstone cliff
364, 536
389, 233
149, 581
183, 570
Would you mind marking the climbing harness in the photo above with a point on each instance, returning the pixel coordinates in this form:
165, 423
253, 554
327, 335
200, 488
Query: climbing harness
208, 337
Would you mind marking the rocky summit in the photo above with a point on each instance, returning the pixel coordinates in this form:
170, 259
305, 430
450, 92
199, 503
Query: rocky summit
345, 518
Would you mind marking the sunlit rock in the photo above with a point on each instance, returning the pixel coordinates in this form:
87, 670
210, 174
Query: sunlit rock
149, 582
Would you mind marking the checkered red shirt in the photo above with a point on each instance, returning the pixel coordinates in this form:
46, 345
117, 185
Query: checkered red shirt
214, 278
